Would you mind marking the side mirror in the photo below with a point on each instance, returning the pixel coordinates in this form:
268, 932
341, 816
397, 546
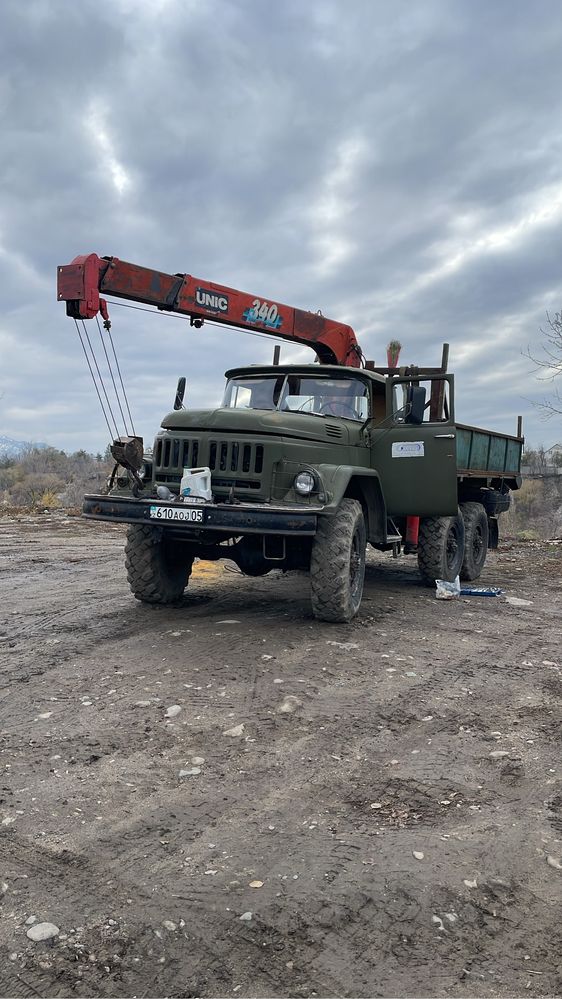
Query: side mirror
415, 404
180, 392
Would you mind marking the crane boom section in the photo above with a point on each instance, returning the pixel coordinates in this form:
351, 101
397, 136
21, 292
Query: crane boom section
81, 283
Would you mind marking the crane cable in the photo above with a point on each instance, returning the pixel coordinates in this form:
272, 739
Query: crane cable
112, 376
177, 315
262, 336
89, 363
99, 384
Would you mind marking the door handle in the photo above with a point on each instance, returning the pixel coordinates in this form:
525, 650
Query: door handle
449, 437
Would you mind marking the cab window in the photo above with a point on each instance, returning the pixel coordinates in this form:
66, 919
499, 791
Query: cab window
346, 398
437, 406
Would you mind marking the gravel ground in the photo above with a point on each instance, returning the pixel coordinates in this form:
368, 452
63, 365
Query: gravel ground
384, 818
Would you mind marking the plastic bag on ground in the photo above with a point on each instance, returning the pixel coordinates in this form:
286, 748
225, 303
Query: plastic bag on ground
446, 590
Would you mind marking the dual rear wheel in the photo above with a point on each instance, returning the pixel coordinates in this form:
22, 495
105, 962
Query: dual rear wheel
453, 546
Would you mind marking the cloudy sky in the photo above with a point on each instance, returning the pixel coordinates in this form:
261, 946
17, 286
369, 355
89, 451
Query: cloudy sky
397, 165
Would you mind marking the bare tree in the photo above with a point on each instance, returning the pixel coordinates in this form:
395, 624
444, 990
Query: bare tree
548, 363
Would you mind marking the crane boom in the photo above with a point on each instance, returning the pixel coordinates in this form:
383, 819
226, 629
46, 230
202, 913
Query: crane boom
81, 283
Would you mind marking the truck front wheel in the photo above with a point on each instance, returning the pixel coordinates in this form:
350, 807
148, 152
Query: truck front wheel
440, 548
337, 564
475, 539
157, 574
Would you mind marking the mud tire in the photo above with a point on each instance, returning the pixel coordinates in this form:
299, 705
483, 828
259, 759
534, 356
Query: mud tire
156, 575
337, 564
475, 540
440, 548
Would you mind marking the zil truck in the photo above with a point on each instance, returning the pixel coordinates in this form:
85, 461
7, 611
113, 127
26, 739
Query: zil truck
307, 463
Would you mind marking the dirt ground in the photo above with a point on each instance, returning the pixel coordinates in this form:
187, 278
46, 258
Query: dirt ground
398, 855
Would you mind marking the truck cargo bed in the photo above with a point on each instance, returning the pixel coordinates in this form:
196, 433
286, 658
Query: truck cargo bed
482, 453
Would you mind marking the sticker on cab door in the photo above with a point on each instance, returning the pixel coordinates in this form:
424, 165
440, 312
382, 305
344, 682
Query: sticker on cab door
407, 449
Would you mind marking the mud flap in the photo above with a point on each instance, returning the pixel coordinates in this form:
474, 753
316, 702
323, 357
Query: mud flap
493, 533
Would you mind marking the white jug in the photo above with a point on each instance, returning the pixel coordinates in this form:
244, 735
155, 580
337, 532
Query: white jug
196, 484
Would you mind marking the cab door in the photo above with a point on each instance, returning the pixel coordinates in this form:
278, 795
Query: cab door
417, 463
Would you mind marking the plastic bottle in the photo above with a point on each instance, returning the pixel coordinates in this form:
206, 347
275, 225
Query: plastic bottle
196, 484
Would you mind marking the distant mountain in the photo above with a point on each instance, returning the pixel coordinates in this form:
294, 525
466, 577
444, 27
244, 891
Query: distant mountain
9, 448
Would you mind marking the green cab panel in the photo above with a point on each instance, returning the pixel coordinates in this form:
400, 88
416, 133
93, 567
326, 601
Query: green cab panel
417, 466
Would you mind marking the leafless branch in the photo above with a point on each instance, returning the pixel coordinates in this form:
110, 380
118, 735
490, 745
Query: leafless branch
548, 363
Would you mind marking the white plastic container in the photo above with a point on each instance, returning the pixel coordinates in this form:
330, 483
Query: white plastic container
196, 485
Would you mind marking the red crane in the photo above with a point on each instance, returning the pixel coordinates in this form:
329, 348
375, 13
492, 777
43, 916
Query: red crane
81, 283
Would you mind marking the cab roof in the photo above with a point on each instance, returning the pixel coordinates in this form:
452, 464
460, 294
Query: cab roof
313, 370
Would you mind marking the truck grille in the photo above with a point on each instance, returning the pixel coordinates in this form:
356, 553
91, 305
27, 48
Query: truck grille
238, 461
231, 456
176, 454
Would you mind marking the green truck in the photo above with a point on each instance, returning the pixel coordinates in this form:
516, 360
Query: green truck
308, 463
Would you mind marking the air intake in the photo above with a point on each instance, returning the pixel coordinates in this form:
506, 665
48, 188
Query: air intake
334, 431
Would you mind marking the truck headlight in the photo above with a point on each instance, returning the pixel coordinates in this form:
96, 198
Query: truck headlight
304, 483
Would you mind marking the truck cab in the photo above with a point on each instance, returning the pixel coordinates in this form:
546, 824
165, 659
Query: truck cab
274, 425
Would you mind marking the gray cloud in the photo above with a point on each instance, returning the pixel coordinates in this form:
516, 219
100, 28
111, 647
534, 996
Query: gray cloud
396, 165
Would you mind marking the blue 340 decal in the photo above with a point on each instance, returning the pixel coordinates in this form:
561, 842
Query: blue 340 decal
263, 312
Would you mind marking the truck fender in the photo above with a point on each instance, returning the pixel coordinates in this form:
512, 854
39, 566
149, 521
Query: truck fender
364, 485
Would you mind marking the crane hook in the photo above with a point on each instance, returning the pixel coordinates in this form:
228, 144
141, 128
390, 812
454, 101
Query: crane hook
105, 315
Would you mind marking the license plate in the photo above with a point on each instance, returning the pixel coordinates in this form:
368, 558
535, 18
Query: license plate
174, 513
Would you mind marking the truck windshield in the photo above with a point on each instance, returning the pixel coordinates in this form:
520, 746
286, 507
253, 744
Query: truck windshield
347, 398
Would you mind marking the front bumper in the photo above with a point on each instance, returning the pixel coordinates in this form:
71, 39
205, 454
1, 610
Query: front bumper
236, 519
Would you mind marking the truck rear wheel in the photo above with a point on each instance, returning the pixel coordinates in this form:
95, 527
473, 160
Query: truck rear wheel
475, 539
440, 548
156, 574
337, 564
